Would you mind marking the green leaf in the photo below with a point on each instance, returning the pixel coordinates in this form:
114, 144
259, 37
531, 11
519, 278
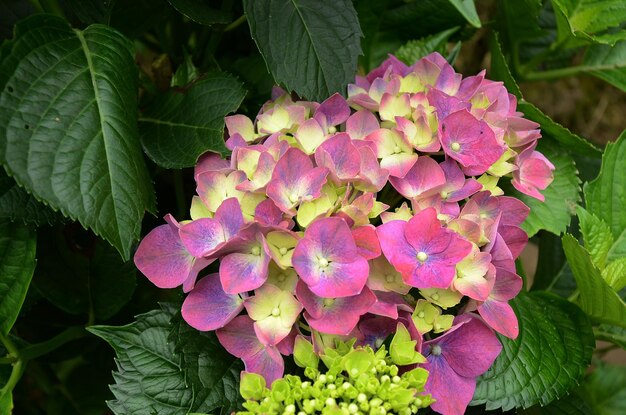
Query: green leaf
605, 390
310, 46
589, 19
82, 275
468, 9
561, 197
17, 263
548, 358
210, 367
549, 128
618, 250
615, 274
414, 50
16, 204
169, 369
433, 17
571, 404
597, 299
68, 129
201, 12
180, 126
597, 236
613, 334
499, 68
607, 63
606, 195
520, 19
87, 11
186, 73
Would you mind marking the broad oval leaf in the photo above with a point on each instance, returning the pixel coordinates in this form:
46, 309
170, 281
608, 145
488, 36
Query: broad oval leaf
606, 195
597, 236
16, 204
68, 131
201, 12
608, 63
310, 46
180, 126
17, 263
597, 298
548, 358
590, 19
169, 368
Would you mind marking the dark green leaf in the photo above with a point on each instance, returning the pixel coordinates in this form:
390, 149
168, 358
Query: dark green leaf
433, 17
210, 367
17, 263
500, 69
79, 274
548, 358
597, 236
87, 11
179, 127
135, 17
169, 369
186, 73
606, 195
68, 129
597, 299
605, 390
608, 63
201, 12
16, 204
561, 197
310, 46
550, 262
520, 19
589, 19
571, 404
370, 13
549, 128
414, 50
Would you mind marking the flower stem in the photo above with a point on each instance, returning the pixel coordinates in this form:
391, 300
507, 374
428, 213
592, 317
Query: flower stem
18, 366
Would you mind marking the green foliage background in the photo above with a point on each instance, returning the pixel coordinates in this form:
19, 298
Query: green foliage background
105, 105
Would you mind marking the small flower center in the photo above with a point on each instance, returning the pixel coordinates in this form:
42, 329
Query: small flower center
435, 350
332, 129
323, 262
421, 314
444, 195
435, 296
328, 302
293, 198
455, 146
396, 149
282, 250
390, 278
422, 256
275, 312
281, 277
256, 251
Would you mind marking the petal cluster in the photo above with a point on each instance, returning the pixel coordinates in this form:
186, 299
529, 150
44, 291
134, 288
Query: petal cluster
353, 219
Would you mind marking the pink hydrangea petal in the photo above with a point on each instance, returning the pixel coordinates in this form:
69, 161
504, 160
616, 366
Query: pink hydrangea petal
333, 110
477, 287
376, 329
361, 124
470, 85
162, 257
452, 393
340, 156
396, 65
367, 241
446, 104
507, 285
208, 307
424, 175
238, 337
202, 237
342, 279
371, 176
267, 213
245, 271
398, 164
210, 162
240, 124
395, 246
469, 141
500, 317
340, 316
424, 232
514, 211
515, 238
267, 362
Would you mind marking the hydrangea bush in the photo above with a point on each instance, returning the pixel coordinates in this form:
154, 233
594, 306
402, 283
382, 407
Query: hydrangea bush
340, 220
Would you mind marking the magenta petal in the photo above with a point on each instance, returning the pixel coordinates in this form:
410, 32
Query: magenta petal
340, 156
267, 362
208, 307
500, 317
452, 392
334, 315
367, 241
395, 246
459, 346
238, 337
514, 211
333, 111
507, 285
245, 271
162, 257
515, 238
424, 175
202, 236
